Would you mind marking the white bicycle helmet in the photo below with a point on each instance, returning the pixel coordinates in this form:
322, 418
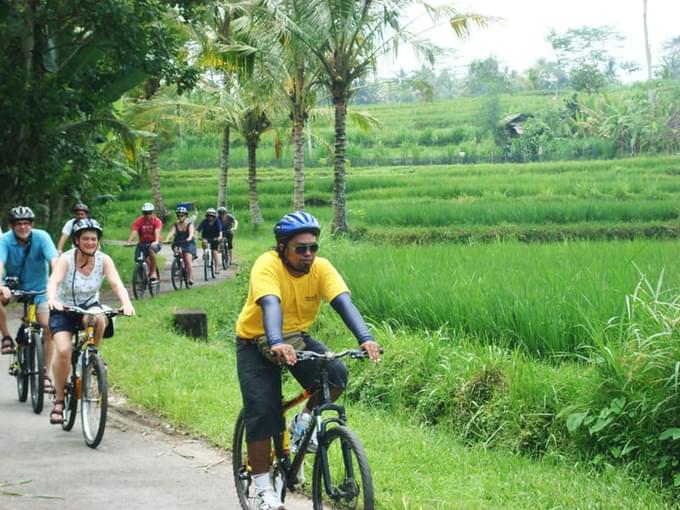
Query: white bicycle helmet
147, 207
21, 213
211, 212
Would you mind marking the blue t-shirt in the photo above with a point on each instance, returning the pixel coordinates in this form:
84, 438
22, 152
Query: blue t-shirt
29, 263
210, 231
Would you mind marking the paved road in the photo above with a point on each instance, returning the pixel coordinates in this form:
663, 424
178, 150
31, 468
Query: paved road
140, 464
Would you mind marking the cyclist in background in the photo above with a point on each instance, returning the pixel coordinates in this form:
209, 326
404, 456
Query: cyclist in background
229, 226
147, 228
211, 234
80, 212
26, 253
284, 295
183, 232
75, 281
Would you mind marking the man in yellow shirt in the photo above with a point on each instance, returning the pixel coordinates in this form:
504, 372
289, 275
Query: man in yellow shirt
284, 295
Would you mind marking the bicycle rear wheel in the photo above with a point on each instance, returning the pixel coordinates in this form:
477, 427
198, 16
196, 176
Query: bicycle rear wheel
177, 274
36, 364
245, 487
139, 281
71, 393
349, 473
94, 399
22, 371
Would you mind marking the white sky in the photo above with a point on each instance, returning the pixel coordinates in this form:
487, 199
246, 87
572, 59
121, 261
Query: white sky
519, 39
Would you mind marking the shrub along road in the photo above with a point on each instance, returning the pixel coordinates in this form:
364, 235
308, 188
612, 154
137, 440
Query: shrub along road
140, 463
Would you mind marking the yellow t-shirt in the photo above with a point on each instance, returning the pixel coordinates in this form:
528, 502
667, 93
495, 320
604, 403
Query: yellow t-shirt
300, 296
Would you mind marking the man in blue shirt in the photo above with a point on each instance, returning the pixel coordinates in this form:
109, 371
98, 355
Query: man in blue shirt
26, 253
211, 233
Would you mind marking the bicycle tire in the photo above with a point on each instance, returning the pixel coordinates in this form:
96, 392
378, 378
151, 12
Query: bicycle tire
70, 401
346, 459
94, 399
22, 371
213, 266
36, 363
245, 487
177, 275
138, 281
206, 262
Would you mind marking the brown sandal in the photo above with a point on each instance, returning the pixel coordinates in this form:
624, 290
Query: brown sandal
48, 387
57, 413
7, 345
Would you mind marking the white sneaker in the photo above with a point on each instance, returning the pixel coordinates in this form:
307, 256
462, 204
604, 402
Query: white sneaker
266, 499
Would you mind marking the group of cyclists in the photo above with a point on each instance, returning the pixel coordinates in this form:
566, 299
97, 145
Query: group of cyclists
218, 225
72, 278
287, 285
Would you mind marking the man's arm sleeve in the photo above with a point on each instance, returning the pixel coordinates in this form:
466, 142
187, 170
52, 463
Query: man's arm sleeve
272, 319
351, 317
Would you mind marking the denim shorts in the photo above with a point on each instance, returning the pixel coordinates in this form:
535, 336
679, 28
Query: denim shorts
72, 323
260, 383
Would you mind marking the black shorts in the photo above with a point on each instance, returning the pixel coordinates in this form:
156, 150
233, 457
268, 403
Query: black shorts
229, 236
73, 322
144, 248
214, 243
260, 383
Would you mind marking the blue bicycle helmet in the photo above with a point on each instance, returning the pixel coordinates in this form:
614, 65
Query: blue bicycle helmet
181, 210
294, 223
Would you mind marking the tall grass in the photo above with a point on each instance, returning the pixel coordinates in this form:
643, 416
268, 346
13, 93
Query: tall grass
537, 297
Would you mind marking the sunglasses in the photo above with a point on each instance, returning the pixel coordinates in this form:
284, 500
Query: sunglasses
181, 215
301, 249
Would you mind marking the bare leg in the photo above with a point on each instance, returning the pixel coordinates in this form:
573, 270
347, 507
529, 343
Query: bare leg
3, 319
44, 320
152, 263
218, 260
62, 362
188, 262
258, 455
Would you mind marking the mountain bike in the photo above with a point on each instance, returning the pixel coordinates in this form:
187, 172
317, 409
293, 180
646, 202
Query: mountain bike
87, 381
141, 280
341, 475
28, 362
224, 250
178, 272
208, 263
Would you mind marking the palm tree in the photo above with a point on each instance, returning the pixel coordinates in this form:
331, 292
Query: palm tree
346, 37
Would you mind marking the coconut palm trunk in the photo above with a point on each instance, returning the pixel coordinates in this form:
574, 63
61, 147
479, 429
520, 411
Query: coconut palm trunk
156, 180
299, 162
224, 168
339, 223
255, 213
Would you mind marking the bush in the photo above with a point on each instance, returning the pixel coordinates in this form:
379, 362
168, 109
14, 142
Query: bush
633, 414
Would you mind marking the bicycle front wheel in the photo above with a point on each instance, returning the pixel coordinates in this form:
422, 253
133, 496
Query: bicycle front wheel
177, 274
36, 364
342, 477
22, 371
206, 264
245, 487
213, 267
138, 281
94, 399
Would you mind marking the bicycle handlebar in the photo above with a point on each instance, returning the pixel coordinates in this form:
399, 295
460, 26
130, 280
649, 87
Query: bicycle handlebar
27, 293
112, 312
330, 356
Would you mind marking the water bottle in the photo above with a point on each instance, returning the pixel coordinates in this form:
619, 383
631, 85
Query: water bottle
300, 425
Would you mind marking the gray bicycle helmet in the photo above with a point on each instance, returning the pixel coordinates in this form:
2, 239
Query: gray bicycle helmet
81, 207
147, 207
211, 212
19, 213
221, 210
84, 225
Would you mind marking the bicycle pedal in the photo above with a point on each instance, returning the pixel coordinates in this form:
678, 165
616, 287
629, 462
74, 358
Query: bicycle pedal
13, 369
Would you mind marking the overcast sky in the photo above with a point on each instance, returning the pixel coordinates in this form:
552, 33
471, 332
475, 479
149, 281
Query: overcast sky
519, 39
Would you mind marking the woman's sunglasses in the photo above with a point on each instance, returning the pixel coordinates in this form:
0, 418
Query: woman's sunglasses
301, 249
181, 215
